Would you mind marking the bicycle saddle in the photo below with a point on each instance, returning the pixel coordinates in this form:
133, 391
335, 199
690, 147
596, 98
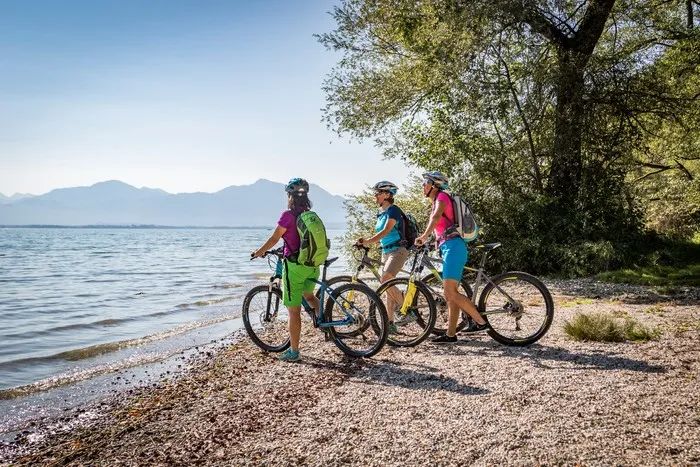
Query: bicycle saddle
330, 261
488, 246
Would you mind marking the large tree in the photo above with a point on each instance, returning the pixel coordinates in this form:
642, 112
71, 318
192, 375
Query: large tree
544, 104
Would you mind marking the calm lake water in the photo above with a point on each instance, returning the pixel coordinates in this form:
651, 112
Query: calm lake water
79, 303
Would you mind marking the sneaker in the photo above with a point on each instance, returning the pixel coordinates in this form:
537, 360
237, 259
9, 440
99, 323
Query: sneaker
481, 327
473, 327
393, 329
444, 339
402, 320
289, 355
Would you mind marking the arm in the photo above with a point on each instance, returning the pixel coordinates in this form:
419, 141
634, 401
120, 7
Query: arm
434, 219
272, 241
379, 235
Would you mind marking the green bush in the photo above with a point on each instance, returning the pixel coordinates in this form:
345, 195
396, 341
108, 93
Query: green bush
600, 327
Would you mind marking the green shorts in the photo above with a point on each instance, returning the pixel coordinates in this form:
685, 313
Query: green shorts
297, 279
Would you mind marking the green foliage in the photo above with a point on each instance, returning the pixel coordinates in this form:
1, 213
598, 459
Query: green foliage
474, 89
600, 327
661, 263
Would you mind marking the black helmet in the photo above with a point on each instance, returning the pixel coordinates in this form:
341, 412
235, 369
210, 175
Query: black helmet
297, 185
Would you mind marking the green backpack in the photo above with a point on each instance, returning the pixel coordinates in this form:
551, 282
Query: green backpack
314, 247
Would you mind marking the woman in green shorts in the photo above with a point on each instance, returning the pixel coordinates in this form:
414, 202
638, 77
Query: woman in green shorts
388, 233
297, 279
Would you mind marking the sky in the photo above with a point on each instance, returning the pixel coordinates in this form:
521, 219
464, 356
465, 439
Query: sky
180, 95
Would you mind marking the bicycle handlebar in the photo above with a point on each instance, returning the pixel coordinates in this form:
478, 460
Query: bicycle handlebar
276, 252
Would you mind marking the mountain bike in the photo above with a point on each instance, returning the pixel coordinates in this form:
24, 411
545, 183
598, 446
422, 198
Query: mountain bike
412, 302
433, 280
353, 316
517, 305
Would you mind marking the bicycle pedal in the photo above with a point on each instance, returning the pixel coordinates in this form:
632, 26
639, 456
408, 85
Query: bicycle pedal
326, 336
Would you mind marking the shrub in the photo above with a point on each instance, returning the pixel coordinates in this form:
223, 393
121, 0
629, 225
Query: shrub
600, 327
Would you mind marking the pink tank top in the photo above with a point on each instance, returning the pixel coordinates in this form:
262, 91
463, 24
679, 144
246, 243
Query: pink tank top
445, 222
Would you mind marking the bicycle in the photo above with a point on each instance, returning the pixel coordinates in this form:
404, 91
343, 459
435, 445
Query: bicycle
348, 308
533, 306
432, 280
509, 301
413, 304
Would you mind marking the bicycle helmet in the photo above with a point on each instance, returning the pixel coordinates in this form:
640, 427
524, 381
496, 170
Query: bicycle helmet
436, 178
385, 186
297, 185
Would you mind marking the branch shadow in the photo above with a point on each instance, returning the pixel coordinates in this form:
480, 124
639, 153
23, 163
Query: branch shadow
627, 293
539, 355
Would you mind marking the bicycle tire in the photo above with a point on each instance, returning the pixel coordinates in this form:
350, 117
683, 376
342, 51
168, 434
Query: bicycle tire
375, 315
542, 293
333, 281
441, 305
425, 323
256, 336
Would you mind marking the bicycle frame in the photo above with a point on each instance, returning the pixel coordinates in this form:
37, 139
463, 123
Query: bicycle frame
481, 279
318, 319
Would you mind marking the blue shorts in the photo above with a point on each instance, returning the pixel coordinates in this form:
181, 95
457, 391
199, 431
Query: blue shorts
454, 257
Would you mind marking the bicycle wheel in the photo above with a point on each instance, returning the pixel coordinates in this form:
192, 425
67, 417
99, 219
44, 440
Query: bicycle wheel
415, 326
266, 319
334, 282
435, 286
367, 334
518, 307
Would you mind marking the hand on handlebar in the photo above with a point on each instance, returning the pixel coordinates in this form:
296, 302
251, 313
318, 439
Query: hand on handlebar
360, 243
256, 254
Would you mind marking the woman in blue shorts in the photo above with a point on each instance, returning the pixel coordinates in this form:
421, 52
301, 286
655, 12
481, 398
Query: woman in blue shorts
454, 255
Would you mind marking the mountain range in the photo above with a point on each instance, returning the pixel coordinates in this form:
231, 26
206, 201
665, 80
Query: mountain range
117, 203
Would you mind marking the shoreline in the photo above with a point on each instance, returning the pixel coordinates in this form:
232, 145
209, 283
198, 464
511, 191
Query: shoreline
558, 401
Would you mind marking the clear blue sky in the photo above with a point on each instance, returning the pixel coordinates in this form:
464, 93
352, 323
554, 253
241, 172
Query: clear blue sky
179, 95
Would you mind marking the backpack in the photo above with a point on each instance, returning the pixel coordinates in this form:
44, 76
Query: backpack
409, 229
313, 250
464, 221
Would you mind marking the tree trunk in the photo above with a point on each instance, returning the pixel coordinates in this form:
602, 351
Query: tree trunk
565, 174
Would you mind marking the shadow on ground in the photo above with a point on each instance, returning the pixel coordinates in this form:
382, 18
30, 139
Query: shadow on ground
390, 373
542, 356
626, 293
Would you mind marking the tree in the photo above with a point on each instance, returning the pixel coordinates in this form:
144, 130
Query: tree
541, 110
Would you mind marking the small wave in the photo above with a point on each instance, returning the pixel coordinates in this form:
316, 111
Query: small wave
213, 301
227, 286
100, 349
61, 380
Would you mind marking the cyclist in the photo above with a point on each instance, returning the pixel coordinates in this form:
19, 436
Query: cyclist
388, 233
297, 279
454, 254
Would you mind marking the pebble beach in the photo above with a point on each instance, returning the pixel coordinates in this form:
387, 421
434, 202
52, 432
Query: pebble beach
557, 402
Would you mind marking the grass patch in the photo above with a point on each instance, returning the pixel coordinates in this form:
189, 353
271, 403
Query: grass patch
666, 276
656, 310
575, 302
600, 327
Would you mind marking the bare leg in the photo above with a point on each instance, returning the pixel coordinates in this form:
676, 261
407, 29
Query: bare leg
394, 297
294, 326
312, 300
456, 302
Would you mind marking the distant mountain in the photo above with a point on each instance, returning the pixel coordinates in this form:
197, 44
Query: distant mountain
16, 197
117, 203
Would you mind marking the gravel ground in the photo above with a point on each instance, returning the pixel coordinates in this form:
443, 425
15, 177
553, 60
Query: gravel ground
558, 402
